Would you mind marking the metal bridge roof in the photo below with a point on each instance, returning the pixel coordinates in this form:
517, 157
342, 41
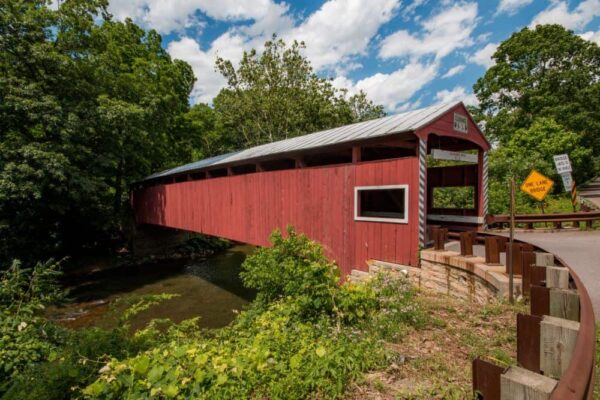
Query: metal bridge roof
399, 123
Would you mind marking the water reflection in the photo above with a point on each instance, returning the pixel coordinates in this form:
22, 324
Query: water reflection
210, 289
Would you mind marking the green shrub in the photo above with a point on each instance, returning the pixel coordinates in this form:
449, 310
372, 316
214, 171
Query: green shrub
272, 350
294, 266
26, 337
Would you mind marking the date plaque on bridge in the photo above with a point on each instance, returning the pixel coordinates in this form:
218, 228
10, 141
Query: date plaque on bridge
537, 185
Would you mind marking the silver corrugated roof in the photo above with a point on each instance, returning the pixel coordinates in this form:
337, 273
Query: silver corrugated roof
404, 122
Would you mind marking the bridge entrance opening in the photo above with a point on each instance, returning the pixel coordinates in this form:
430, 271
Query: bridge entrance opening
454, 183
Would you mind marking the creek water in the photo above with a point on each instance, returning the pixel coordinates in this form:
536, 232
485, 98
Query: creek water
209, 288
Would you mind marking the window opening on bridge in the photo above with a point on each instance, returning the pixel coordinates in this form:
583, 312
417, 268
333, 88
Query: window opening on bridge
381, 203
244, 169
389, 150
217, 173
455, 197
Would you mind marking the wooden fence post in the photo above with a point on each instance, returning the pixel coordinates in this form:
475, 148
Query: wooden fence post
557, 341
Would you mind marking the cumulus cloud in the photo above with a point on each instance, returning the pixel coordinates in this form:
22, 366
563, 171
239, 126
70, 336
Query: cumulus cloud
175, 15
592, 36
341, 28
483, 56
393, 89
208, 82
457, 69
510, 7
334, 34
558, 13
446, 31
457, 94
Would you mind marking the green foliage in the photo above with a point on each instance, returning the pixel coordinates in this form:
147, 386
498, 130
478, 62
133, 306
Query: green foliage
87, 105
25, 337
279, 348
276, 95
201, 243
547, 72
293, 267
533, 148
454, 197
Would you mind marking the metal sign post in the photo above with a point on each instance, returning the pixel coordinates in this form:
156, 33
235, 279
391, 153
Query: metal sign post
509, 255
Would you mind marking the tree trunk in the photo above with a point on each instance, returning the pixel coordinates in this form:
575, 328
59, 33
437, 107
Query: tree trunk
118, 188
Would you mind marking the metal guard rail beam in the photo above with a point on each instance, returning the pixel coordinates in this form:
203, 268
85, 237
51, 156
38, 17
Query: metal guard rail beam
556, 217
577, 382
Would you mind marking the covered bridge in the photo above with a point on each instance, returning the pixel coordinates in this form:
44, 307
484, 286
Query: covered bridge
364, 191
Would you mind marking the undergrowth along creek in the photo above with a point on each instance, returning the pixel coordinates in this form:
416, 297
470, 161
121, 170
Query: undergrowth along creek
305, 336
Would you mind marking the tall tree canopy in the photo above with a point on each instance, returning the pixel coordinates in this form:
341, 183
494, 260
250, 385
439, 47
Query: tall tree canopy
86, 107
276, 95
544, 72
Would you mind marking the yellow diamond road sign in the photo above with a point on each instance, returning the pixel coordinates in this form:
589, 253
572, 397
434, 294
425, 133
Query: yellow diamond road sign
537, 185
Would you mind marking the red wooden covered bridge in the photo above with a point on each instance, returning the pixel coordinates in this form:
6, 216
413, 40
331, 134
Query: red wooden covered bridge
364, 191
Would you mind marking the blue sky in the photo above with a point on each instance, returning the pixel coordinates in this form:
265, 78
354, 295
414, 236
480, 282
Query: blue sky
403, 54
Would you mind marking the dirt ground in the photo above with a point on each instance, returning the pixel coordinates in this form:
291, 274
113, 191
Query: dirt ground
435, 362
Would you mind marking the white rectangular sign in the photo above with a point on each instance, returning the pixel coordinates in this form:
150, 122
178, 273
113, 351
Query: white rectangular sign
563, 164
461, 123
567, 181
454, 156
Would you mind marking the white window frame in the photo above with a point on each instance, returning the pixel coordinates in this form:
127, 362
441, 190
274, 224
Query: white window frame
379, 219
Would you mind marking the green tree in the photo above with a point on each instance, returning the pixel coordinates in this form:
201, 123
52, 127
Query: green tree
87, 105
276, 95
544, 72
533, 148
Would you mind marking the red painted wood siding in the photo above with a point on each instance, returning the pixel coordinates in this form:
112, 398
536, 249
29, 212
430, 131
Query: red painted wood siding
317, 201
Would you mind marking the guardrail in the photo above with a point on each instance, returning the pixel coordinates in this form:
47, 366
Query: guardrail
587, 217
555, 341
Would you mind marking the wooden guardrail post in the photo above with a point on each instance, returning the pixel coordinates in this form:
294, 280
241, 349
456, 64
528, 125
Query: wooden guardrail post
519, 383
440, 235
528, 259
557, 277
557, 338
516, 257
564, 303
492, 250
466, 244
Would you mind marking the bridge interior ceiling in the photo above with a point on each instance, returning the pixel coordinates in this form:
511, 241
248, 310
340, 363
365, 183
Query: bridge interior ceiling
435, 141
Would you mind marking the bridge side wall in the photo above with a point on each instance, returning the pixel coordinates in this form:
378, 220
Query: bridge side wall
318, 201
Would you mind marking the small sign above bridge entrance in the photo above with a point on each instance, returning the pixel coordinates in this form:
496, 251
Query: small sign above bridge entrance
454, 156
537, 185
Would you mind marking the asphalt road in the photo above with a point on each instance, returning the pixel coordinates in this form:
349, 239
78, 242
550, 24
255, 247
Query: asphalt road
579, 249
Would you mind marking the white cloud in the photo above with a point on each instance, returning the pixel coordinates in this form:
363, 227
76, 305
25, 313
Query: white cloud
208, 82
334, 34
391, 90
484, 56
175, 15
341, 28
457, 94
444, 32
592, 36
558, 13
510, 7
457, 69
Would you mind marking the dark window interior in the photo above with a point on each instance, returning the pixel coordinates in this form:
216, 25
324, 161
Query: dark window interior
387, 152
381, 203
244, 169
181, 178
276, 165
216, 173
337, 157
198, 175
